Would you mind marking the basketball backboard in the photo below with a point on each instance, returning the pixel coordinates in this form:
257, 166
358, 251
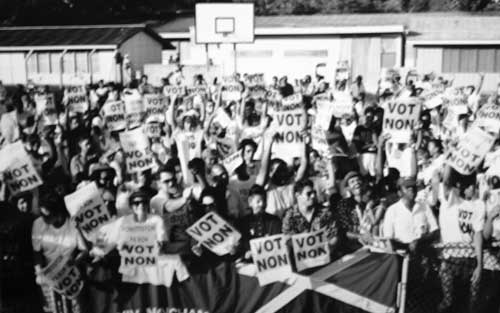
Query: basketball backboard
224, 23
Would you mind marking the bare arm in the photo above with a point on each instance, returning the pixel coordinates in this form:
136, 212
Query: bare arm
266, 159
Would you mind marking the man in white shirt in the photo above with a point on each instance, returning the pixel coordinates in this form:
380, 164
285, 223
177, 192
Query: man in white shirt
408, 221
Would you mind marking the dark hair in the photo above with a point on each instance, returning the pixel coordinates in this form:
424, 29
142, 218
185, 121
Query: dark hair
437, 143
301, 184
53, 203
247, 142
173, 162
257, 190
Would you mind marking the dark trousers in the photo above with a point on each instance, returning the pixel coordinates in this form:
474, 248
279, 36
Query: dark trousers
490, 293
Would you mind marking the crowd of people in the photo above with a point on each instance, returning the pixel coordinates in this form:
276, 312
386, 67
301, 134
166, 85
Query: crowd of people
367, 191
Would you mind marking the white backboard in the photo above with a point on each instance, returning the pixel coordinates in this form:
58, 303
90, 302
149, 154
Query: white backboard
224, 23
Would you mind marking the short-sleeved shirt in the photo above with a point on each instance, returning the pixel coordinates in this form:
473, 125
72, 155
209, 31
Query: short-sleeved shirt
295, 223
52, 241
406, 226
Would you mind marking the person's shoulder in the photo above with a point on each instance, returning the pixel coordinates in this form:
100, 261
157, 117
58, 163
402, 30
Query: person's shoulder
39, 223
272, 218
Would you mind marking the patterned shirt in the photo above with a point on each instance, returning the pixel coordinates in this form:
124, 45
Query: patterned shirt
347, 217
295, 223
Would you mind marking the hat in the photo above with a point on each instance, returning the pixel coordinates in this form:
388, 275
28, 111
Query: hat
407, 182
96, 168
138, 195
350, 175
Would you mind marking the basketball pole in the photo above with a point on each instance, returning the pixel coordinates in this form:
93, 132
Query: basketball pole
234, 52
208, 57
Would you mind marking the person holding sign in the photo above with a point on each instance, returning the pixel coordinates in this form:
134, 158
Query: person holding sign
307, 216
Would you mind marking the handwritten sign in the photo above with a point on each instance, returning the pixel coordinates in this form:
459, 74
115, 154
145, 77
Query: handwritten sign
489, 118
214, 233
138, 247
155, 107
311, 249
231, 92
76, 99
470, 151
19, 173
291, 102
87, 209
232, 162
134, 108
152, 130
401, 117
136, 147
289, 141
174, 91
64, 278
342, 104
114, 115
270, 256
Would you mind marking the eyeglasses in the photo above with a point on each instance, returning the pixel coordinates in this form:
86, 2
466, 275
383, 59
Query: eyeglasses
138, 202
168, 181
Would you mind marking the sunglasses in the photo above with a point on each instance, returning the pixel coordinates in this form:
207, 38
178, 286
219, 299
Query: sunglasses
139, 202
168, 181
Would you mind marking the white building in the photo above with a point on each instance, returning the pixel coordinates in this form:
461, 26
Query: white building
54, 55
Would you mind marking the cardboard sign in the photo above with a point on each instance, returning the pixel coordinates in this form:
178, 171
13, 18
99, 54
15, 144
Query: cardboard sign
257, 92
134, 109
43, 102
232, 162
214, 233
489, 118
136, 147
231, 92
324, 112
114, 115
311, 249
19, 173
255, 79
342, 104
174, 91
401, 117
138, 247
470, 151
291, 102
87, 209
155, 106
197, 90
432, 99
152, 130
274, 95
227, 80
289, 142
270, 256
76, 99
64, 278
9, 127
321, 141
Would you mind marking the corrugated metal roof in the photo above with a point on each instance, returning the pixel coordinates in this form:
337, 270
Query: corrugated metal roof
98, 35
422, 26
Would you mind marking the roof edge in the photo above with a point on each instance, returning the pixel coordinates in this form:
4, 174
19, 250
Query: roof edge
74, 26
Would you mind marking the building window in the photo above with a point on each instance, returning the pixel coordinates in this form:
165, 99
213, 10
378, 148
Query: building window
388, 52
55, 62
255, 53
69, 63
43, 60
306, 53
467, 60
95, 63
82, 62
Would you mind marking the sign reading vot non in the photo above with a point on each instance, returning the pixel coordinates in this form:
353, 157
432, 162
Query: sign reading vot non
138, 247
311, 249
270, 256
19, 173
63, 277
401, 117
136, 147
214, 233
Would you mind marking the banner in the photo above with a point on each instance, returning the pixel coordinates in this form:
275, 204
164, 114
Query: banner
214, 233
174, 91
270, 256
114, 115
470, 151
289, 142
136, 147
231, 92
87, 209
310, 249
489, 118
18, 170
401, 117
134, 108
232, 162
155, 106
75, 98
138, 247
291, 102
63, 277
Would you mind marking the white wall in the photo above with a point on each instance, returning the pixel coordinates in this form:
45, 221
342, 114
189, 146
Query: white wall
12, 68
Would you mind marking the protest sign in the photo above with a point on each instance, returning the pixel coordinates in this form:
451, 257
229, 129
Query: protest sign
87, 209
291, 102
136, 147
155, 106
257, 92
288, 125
489, 118
324, 112
432, 99
138, 246
311, 249
454, 99
470, 151
274, 95
114, 115
174, 91
255, 79
231, 92
133, 108
152, 130
321, 141
229, 79
214, 233
63, 277
44, 101
75, 98
197, 90
342, 104
232, 162
18, 170
401, 117
270, 256
9, 126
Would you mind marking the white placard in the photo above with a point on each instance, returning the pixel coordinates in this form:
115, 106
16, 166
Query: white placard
401, 117
270, 256
311, 249
136, 147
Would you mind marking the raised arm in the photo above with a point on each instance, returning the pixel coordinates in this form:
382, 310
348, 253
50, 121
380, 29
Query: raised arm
266, 158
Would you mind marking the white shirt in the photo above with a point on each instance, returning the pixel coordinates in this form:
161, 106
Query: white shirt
406, 226
279, 199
